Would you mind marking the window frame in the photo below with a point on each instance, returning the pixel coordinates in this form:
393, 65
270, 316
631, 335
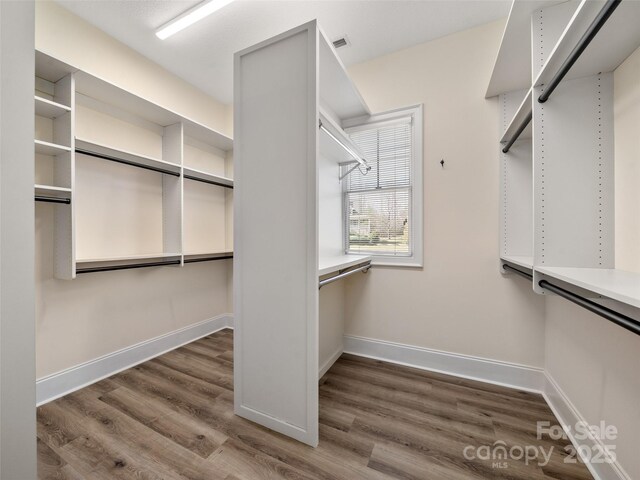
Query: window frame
416, 213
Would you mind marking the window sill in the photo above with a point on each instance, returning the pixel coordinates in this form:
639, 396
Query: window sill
410, 263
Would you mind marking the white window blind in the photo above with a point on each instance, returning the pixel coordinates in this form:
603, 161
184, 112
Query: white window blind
378, 204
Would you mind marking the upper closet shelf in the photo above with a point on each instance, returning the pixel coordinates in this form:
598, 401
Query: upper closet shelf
337, 92
115, 155
617, 39
332, 264
512, 69
618, 285
335, 144
48, 148
523, 114
200, 176
105, 92
48, 108
123, 100
519, 260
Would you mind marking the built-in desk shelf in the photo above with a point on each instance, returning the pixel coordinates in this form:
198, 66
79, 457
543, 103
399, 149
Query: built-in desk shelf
618, 285
333, 264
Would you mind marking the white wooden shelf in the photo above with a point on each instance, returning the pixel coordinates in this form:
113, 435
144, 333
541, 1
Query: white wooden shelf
618, 285
332, 264
520, 260
48, 148
127, 258
338, 93
206, 256
48, 108
115, 97
51, 191
123, 156
201, 176
512, 69
82, 262
521, 114
617, 39
329, 147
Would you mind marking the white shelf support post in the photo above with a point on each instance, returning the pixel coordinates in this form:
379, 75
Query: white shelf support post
64, 175
173, 191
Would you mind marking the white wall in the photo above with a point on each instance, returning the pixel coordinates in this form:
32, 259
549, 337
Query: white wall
97, 314
459, 302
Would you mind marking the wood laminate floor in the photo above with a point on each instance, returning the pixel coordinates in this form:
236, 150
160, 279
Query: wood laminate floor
172, 418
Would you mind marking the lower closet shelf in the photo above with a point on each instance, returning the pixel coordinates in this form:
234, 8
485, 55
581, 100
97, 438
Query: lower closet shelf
124, 263
206, 257
519, 260
335, 263
619, 285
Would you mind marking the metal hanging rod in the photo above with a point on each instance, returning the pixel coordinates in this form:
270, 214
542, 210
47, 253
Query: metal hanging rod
611, 315
45, 199
127, 162
519, 272
209, 258
210, 182
580, 47
363, 268
521, 128
127, 266
356, 157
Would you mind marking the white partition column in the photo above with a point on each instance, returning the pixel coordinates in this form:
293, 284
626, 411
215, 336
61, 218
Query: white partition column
276, 241
17, 297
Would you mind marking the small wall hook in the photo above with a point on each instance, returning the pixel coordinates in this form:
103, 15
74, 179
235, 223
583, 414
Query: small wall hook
442, 163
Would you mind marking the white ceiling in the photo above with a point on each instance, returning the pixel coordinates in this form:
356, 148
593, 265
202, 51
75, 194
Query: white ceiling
203, 53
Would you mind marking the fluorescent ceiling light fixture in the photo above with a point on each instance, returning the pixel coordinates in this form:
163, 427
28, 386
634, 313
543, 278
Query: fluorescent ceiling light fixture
190, 17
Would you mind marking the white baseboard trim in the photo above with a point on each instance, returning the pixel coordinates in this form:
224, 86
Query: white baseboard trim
510, 375
568, 415
277, 425
505, 374
59, 384
327, 365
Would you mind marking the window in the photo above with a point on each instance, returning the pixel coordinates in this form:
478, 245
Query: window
383, 207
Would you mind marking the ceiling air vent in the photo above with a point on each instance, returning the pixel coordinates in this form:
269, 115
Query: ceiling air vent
341, 42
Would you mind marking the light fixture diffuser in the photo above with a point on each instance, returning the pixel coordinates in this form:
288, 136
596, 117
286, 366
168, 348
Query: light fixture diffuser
190, 17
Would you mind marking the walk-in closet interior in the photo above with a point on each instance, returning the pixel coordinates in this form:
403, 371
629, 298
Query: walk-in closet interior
245, 240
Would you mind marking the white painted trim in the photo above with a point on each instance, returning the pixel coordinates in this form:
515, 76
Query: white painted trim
505, 374
62, 383
272, 423
416, 113
567, 414
324, 368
